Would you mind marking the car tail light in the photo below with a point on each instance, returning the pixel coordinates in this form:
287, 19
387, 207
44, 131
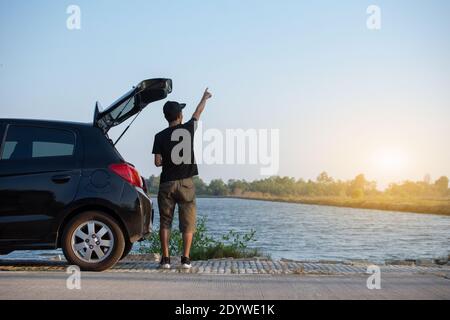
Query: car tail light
127, 172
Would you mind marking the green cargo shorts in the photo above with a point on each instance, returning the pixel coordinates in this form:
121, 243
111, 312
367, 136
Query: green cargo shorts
181, 192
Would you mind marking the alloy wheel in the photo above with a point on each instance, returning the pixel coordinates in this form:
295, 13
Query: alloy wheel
92, 241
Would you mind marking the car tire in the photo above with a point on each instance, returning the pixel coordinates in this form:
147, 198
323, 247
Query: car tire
127, 250
93, 241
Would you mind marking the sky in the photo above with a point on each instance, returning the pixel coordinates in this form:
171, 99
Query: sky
346, 99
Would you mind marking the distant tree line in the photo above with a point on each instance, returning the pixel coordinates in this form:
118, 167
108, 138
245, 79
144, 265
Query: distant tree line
420, 189
324, 185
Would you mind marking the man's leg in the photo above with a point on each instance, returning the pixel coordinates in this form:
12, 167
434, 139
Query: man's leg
187, 225
164, 236
166, 205
187, 213
187, 242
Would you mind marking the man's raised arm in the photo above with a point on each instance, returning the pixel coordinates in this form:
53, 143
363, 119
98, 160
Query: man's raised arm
201, 105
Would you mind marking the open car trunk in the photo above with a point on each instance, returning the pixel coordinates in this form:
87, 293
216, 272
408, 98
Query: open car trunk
131, 103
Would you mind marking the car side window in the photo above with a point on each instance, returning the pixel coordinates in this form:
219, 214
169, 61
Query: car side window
27, 142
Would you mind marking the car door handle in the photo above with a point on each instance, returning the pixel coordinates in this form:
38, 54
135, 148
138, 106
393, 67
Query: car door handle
61, 179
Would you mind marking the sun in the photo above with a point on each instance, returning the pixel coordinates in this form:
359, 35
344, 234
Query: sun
390, 160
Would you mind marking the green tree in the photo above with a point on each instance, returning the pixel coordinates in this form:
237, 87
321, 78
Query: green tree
153, 184
200, 186
441, 185
357, 193
237, 187
217, 187
324, 178
357, 186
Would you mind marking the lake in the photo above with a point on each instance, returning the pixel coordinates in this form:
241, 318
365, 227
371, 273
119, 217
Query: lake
309, 232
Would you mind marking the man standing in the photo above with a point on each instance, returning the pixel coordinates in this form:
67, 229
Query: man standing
174, 152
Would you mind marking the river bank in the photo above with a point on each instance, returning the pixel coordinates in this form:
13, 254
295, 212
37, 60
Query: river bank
427, 206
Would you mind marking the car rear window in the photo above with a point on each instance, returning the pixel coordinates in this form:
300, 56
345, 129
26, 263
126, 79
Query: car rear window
27, 142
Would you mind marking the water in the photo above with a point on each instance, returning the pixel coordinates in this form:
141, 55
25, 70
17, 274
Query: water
308, 232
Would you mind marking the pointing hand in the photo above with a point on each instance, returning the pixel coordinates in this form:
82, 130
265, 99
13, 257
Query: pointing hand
207, 95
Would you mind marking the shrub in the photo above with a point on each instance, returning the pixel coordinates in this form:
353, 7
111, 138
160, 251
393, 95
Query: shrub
231, 245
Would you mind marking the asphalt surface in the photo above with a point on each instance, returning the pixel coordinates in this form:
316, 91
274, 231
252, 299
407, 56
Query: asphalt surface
52, 285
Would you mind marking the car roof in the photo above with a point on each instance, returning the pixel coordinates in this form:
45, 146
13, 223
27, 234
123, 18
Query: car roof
57, 123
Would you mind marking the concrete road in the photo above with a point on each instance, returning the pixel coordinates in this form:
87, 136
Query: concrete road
52, 285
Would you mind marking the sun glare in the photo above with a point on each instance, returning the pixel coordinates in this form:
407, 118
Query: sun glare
390, 160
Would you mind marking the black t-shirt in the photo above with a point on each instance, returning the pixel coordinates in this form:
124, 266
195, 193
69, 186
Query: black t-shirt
181, 166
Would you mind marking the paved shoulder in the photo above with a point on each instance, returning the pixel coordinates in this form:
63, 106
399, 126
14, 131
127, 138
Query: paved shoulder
118, 285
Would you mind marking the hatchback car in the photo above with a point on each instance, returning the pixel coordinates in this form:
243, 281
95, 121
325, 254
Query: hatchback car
64, 185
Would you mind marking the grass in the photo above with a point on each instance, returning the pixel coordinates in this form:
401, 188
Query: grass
220, 251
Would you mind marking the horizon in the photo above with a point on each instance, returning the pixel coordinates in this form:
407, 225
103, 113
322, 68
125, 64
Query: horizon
424, 180
346, 99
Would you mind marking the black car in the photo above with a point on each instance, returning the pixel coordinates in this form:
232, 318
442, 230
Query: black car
64, 185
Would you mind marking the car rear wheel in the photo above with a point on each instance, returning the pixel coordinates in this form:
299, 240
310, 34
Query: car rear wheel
127, 250
93, 241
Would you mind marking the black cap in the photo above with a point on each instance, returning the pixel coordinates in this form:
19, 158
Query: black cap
172, 108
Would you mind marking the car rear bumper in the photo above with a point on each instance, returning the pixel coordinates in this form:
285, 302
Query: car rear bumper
147, 213
139, 220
